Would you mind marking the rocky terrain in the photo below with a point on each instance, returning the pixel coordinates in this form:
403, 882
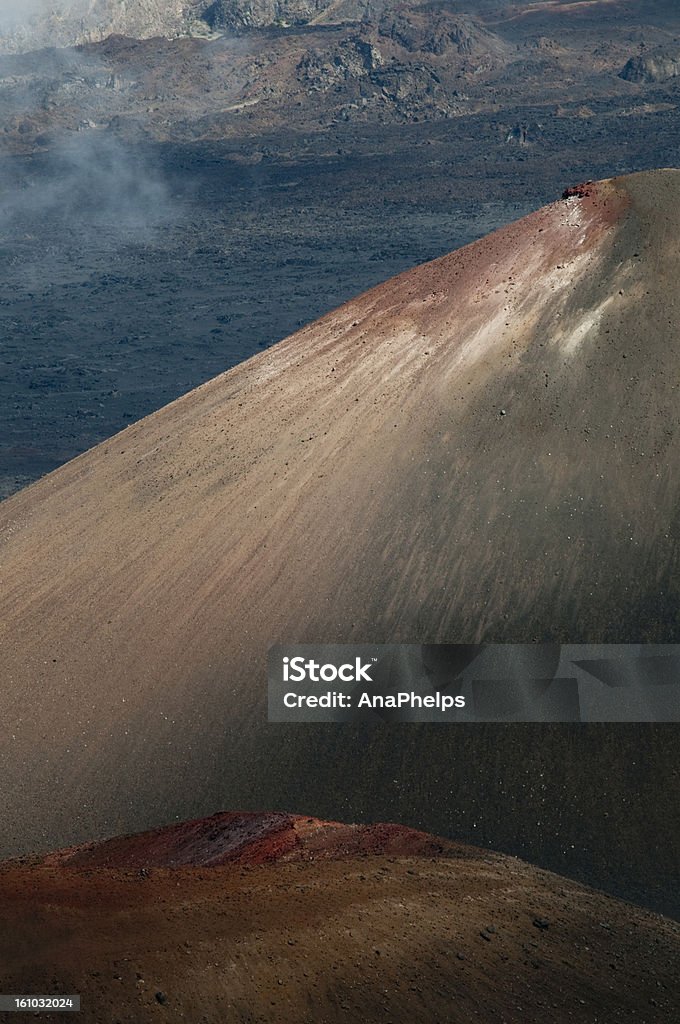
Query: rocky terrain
337, 923
27, 25
483, 447
659, 66
325, 65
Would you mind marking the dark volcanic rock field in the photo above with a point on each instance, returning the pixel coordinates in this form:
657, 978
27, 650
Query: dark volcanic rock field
102, 324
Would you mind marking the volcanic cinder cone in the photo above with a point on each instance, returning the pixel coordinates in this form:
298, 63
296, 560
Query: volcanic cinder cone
484, 448
277, 918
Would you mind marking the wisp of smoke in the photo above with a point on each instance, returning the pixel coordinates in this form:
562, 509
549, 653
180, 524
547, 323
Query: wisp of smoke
89, 179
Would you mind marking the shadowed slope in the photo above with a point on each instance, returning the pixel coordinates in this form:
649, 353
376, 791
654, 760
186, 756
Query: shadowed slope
399, 927
482, 448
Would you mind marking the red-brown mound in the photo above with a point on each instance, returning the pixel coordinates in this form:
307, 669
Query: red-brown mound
333, 937
251, 838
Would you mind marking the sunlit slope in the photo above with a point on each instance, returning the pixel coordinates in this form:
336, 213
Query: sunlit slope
482, 448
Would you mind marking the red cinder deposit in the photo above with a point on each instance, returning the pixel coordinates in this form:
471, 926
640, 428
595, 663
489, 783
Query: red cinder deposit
284, 919
250, 838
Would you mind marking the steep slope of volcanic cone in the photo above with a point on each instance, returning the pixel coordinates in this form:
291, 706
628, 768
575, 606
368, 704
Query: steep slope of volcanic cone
279, 919
482, 448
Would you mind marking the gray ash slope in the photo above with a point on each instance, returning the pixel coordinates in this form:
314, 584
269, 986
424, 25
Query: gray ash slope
357, 480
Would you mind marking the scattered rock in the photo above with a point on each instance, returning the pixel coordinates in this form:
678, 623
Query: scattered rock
249, 14
581, 191
660, 66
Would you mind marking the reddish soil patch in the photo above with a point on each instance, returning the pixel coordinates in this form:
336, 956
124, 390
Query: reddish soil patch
250, 838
